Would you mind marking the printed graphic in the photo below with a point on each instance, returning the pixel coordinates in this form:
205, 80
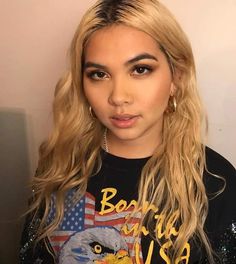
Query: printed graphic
82, 219
95, 245
103, 237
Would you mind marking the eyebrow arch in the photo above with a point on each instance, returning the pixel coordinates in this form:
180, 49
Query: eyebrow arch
141, 57
90, 64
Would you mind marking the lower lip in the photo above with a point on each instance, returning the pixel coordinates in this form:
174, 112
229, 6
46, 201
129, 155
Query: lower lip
124, 123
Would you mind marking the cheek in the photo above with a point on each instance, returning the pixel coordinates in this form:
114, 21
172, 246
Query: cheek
163, 96
90, 93
95, 100
157, 96
94, 91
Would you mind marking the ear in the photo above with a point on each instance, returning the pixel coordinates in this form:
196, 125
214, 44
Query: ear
172, 89
177, 76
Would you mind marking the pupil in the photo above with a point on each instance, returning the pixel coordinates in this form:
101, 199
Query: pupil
140, 70
100, 74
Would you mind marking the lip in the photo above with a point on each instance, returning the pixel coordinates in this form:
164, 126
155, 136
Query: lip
124, 121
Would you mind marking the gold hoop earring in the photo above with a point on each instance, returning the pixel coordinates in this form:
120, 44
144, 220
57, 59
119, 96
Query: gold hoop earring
91, 112
172, 105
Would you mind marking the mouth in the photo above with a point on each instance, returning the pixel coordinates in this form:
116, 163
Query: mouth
124, 121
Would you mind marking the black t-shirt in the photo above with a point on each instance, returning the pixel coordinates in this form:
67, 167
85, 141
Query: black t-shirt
95, 228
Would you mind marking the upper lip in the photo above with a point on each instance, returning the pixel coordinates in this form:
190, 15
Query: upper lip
123, 116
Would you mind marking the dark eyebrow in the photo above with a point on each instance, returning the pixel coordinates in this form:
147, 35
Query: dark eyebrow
94, 65
141, 57
131, 61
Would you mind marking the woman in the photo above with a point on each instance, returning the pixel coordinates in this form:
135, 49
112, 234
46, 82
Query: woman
125, 176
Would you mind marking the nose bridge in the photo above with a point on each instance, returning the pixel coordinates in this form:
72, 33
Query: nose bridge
120, 92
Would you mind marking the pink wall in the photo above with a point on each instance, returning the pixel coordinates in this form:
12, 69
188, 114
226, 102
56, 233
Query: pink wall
35, 36
210, 25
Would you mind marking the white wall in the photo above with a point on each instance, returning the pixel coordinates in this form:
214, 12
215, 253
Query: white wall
35, 36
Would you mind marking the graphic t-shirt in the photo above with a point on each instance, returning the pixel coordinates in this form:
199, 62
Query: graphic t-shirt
95, 228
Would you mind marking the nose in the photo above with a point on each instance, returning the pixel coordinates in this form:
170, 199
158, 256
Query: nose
120, 93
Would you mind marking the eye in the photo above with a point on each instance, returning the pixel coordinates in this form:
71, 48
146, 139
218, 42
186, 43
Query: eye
98, 249
141, 70
97, 75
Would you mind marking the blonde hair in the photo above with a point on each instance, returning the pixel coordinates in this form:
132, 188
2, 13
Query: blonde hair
172, 178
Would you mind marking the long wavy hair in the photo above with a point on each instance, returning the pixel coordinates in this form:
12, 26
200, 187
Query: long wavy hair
172, 179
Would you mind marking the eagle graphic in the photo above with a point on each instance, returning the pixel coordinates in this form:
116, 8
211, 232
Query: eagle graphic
96, 245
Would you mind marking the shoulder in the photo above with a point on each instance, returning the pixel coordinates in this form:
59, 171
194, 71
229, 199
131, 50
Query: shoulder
218, 164
220, 178
219, 172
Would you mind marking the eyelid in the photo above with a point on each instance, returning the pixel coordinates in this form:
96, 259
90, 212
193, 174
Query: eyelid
145, 66
90, 73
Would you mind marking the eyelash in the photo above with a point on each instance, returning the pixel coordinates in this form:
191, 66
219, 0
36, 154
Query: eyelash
146, 68
93, 75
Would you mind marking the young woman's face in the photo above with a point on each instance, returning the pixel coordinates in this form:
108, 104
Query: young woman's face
127, 82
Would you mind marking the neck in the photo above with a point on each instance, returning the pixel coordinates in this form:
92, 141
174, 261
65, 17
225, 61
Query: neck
130, 148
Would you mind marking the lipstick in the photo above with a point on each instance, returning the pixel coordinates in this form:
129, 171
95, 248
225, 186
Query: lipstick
124, 121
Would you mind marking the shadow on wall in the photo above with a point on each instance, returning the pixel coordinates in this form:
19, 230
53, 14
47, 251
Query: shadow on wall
14, 178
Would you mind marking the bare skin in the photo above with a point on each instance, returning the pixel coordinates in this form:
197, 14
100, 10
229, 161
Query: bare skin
128, 82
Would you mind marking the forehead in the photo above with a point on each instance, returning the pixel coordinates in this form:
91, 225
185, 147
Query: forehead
119, 41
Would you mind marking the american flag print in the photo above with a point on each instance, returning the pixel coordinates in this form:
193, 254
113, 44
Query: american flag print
82, 215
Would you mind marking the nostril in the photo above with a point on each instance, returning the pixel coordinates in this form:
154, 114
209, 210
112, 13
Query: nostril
119, 101
122, 254
121, 257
